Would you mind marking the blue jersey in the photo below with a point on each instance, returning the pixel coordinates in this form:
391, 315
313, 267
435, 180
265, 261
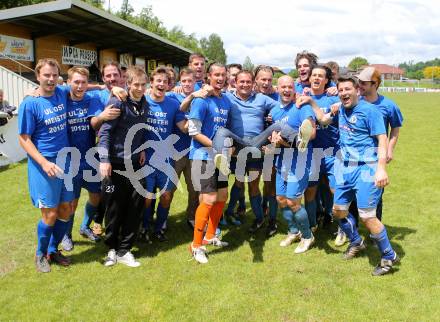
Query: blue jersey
161, 119
184, 139
295, 117
328, 135
212, 112
246, 118
275, 96
198, 85
81, 134
103, 96
391, 114
358, 128
44, 120
299, 87
280, 113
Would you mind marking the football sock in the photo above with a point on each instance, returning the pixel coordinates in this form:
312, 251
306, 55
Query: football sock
384, 245
311, 212
162, 216
59, 230
70, 225
273, 207
147, 218
256, 207
90, 212
43, 234
202, 214
302, 221
348, 226
291, 224
214, 218
233, 198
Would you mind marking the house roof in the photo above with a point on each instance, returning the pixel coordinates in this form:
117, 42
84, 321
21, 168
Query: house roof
82, 23
387, 69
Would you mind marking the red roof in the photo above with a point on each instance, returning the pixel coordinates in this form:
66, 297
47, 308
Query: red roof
387, 69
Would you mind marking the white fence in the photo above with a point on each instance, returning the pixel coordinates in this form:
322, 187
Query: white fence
409, 90
14, 87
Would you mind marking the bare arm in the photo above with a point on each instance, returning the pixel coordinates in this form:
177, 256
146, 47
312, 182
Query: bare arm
381, 176
202, 93
392, 141
183, 126
50, 168
203, 140
323, 119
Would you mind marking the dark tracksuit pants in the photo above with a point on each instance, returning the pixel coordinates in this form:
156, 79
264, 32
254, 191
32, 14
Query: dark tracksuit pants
123, 207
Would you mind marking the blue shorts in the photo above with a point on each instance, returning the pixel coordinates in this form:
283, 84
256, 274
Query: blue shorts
46, 192
79, 182
356, 181
327, 168
292, 185
158, 179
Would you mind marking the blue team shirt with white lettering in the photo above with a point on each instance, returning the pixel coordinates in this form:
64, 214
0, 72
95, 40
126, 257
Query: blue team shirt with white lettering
81, 134
280, 113
103, 96
295, 117
392, 117
328, 135
44, 120
184, 139
161, 119
358, 128
212, 112
246, 117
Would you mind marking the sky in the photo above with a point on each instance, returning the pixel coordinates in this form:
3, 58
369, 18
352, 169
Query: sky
273, 31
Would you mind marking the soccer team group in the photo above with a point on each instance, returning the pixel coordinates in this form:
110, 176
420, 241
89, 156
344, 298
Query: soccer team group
320, 142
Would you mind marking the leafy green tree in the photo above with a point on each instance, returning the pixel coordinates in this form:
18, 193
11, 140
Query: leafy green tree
293, 73
6, 4
247, 64
126, 11
357, 62
213, 48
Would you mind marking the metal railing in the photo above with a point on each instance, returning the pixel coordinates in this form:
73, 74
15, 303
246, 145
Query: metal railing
20, 65
14, 86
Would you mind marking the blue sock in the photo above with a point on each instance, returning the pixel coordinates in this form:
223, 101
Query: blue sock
348, 226
384, 245
242, 203
264, 202
162, 216
311, 212
89, 213
256, 207
291, 223
302, 220
147, 218
234, 197
70, 226
273, 207
59, 230
43, 234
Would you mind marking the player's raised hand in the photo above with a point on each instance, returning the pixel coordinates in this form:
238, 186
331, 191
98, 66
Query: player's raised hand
178, 89
381, 178
303, 99
105, 169
51, 169
119, 93
334, 108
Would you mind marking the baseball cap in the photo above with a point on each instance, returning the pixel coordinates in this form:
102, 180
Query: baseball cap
366, 75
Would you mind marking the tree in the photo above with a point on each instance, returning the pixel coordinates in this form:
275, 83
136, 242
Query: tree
357, 62
6, 4
247, 64
293, 73
126, 11
213, 48
432, 72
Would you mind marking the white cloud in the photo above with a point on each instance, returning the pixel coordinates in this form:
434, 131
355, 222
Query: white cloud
272, 32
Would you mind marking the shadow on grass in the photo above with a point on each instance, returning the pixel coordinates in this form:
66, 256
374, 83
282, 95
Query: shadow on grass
394, 233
